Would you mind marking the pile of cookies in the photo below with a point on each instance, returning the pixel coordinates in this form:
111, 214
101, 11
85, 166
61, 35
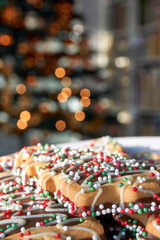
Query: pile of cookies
96, 191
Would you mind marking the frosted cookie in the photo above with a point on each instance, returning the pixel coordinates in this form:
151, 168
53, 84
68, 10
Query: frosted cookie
145, 226
101, 181
39, 152
28, 213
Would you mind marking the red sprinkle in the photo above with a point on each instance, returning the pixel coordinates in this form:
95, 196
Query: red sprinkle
134, 189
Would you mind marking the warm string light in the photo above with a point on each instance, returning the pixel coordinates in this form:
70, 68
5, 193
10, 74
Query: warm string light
60, 125
62, 97
6, 40
21, 89
21, 124
25, 115
79, 116
85, 92
66, 81
85, 101
60, 72
67, 91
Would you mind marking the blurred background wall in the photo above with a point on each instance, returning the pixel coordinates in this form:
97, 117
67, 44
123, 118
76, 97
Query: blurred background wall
72, 70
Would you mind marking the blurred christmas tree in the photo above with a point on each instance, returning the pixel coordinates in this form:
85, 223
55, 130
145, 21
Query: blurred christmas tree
48, 72
41, 43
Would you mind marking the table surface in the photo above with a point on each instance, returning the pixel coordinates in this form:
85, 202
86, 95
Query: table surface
131, 144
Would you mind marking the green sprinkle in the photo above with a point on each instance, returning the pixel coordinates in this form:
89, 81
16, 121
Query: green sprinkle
13, 195
92, 189
46, 193
13, 225
104, 173
125, 179
130, 204
32, 197
81, 219
50, 219
145, 209
140, 211
110, 180
62, 170
64, 218
129, 220
134, 221
93, 214
120, 184
8, 226
45, 221
53, 215
144, 234
90, 183
130, 168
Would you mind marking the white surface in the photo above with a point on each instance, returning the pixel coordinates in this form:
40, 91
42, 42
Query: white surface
131, 144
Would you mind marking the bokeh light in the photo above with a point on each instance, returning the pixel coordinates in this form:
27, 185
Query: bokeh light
6, 40
25, 115
62, 97
21, 124
124, 117
66, 81
60, 72
67, 91
85, 101
60, 125
85, 92
21, 89
79, 116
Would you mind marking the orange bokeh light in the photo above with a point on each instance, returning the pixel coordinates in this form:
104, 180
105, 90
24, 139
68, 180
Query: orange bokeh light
6, 40
21, 89
25, 115
60, 72
67, 91
66, 82
85, 92
79, 116
62, 97
85, 101
21, 124
60, 125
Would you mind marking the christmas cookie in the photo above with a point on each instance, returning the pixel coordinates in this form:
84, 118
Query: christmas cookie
29, 213
145, 226
102, 181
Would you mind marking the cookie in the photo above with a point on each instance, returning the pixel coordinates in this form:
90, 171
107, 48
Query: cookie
36, 153
145, 226
28, 213
103, 180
